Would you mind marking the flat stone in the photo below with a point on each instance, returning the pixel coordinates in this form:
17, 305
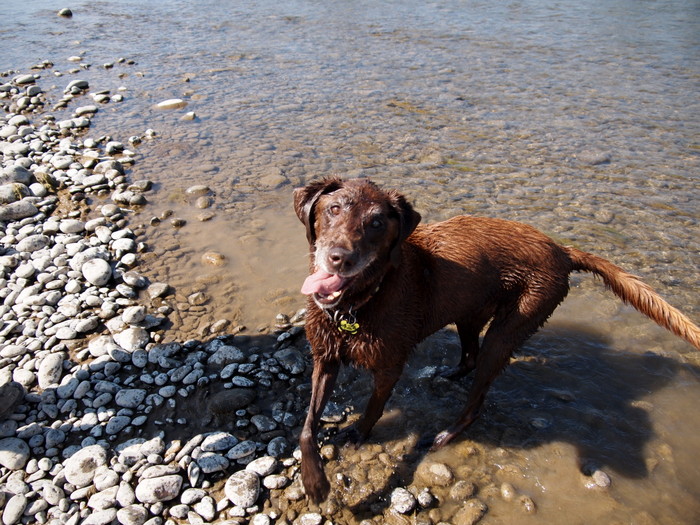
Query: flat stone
33, 243
217, 441
116, 424
263, 466
171, 103
211, 462
132, 515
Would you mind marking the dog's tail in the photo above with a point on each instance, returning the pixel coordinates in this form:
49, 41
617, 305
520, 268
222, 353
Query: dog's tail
636, 293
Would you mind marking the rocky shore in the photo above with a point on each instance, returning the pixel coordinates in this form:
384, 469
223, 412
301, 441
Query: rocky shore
103, 421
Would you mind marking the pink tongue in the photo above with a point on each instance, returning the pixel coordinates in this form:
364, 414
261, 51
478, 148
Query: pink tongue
322, 283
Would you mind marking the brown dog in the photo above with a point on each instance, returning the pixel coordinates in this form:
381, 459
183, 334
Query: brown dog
379, 285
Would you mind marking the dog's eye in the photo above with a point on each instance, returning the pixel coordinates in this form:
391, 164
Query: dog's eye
376, 223
334, 209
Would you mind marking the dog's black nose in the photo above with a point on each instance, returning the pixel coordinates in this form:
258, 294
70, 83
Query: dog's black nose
340, 259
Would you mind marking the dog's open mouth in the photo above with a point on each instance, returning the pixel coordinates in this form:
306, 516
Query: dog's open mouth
327, 288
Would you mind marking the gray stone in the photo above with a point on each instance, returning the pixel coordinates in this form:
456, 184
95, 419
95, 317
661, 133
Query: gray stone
130, 397
116, 424
243, 449
53, 494
16, 173
263, 466
156, 290
291, 360
77, 83
211, 462
206, 508
217, 441
13, 192
134, 314
226, 355
104, 499
101, 517
11, 395
263, 423
17, 210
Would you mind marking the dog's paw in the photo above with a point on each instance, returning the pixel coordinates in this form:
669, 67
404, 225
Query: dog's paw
316, 485
456, 372
442, 439
318, 491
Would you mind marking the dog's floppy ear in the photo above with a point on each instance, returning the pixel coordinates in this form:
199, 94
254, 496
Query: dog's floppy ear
408, 220
305, 200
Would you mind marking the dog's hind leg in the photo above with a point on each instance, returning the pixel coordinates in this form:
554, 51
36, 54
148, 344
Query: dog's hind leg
510, 327
469, 341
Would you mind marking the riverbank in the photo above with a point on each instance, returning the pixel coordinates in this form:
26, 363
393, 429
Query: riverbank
103, 420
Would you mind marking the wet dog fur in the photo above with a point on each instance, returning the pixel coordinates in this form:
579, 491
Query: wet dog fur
380, 283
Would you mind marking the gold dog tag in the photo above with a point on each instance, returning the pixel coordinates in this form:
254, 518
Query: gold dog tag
345, 326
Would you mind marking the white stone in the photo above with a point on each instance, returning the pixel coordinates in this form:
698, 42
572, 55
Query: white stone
80, 468
163, 488
263, 466
97, 271
171, 103
50, 369
14, 453
14, 509
242, 488
131, 339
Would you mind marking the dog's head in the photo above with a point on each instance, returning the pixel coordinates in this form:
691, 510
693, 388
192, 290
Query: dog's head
355, 231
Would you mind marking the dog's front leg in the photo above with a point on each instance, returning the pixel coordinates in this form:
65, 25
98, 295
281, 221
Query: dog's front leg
315, 481
384, 382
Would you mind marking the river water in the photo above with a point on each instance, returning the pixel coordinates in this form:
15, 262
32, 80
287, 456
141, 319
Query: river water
581, 118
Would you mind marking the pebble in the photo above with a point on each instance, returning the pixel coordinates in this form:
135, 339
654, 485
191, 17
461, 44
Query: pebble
80, 468
14, 453
402, 501
158, 489
172, 103
97, 271
243, 488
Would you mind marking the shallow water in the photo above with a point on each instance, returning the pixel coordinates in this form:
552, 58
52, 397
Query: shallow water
580, 118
